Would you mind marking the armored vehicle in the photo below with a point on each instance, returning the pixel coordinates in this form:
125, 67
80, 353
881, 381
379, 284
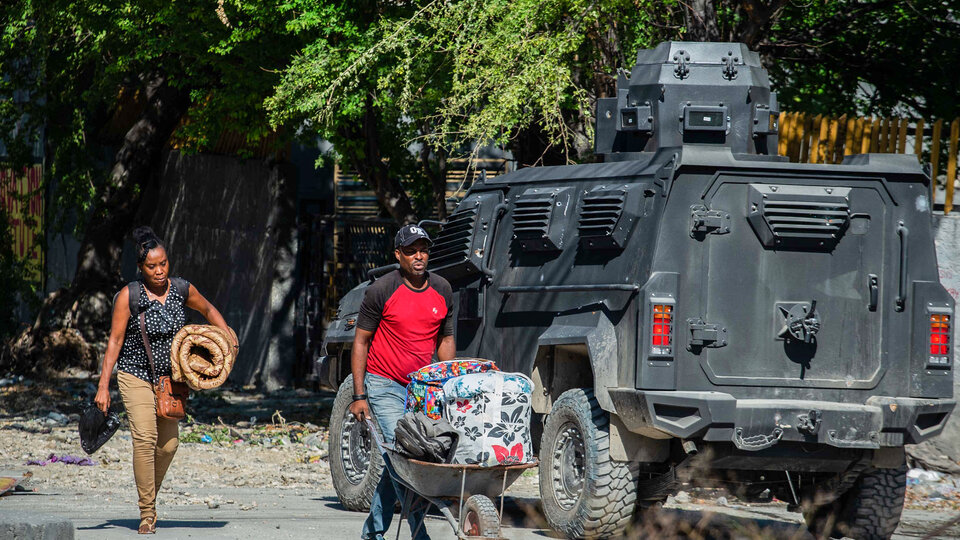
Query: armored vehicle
695, 308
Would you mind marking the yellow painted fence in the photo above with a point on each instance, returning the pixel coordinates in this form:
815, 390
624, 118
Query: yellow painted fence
806, 138
22, 198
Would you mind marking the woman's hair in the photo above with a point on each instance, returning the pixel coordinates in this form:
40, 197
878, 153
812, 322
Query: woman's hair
145, 239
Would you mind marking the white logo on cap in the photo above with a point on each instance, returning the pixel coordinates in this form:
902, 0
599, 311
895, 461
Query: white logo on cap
416, 230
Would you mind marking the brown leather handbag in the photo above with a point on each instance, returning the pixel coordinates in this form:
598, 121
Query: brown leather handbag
171, 396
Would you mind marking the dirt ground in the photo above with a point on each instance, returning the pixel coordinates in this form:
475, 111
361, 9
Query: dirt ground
242, 450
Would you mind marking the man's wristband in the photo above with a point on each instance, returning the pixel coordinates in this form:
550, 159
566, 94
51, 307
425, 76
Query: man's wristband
359, 397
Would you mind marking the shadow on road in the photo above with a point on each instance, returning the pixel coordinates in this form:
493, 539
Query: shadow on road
671, 523
133, 524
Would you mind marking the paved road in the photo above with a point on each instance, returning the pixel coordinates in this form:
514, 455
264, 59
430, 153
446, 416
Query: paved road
300, 515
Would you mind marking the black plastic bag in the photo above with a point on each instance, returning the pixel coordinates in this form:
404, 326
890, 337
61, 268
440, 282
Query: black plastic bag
96, 429
424, 438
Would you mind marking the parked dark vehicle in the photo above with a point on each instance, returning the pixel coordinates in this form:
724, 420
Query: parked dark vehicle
697, 308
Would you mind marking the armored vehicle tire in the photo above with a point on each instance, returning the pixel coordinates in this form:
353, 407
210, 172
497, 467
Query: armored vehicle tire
480, 518
585, 493
869, 510
355, 465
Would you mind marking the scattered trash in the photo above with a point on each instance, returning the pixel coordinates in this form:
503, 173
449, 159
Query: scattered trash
11, 481
10, 381
312, 440
67, 460
682, 497
317, 458
921, 476
722, 501
206, 438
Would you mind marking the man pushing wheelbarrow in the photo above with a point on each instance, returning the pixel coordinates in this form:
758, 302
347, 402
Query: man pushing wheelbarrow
405, 317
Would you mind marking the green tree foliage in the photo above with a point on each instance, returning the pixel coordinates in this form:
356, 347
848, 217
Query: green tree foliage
525, 74
110, 82
449, 74
89, 67
870, 57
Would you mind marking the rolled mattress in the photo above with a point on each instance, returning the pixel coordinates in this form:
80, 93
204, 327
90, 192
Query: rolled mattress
202, 356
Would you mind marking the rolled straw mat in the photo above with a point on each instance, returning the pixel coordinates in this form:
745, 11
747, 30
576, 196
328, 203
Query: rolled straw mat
202, 356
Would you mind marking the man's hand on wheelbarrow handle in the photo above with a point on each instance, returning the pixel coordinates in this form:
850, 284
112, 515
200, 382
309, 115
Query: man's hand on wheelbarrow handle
360, 409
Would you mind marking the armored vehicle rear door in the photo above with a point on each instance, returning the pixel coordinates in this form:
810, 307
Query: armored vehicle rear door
796, 287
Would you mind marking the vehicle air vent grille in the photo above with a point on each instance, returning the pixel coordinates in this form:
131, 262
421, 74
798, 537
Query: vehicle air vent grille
531, 218
453, 242
799, 216
801, 219
600, 213
537, 218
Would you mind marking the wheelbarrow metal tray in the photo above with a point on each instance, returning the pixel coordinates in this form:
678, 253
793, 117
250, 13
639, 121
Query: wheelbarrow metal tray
445, 479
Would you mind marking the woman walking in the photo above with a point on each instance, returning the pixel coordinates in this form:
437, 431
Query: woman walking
161, 301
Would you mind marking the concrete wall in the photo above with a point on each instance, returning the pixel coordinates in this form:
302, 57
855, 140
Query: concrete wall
943, 452
230, 229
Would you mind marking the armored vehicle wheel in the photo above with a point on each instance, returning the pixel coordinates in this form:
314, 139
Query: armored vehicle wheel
585, 493
480, 518
355, 465
869, 510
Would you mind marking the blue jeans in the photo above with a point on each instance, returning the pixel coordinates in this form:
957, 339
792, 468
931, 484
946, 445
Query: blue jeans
386, 398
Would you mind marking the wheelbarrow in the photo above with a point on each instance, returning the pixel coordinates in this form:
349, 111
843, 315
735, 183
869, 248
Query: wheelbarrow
469, 488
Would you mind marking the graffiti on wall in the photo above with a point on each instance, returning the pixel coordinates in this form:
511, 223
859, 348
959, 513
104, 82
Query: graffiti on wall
22, 198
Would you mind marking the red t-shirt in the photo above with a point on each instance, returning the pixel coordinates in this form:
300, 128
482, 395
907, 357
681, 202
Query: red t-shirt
406, 324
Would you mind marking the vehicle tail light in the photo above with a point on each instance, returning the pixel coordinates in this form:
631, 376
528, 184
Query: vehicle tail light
661, 335
939, 339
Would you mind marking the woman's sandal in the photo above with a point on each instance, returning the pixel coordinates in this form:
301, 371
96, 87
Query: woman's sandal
147, 526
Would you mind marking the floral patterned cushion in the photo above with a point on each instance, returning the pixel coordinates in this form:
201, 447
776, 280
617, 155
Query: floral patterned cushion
424, 393
491, 411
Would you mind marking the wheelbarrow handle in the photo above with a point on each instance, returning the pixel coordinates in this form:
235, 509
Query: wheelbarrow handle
377, 438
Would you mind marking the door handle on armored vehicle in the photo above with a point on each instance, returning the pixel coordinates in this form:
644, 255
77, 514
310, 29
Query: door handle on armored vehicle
498, 212
903, 232
873, 282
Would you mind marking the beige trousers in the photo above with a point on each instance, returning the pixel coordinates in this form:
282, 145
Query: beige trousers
155, 440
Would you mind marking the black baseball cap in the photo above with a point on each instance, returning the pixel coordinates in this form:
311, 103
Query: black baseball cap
409, 234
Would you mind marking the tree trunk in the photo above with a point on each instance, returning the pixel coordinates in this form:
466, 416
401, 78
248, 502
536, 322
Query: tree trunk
135, 168
759, 17
73, 319
437, 176
375, 172
700, 18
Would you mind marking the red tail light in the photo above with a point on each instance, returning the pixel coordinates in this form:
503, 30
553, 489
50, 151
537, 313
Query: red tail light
940, 339
661, 335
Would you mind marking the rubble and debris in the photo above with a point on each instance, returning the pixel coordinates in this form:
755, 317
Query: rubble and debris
921, 476
66, 460
286, 448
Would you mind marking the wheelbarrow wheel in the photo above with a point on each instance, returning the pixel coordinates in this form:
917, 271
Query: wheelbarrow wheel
355, 464
480, 518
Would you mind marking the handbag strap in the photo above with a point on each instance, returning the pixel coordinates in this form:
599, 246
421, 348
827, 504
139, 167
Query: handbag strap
146, 345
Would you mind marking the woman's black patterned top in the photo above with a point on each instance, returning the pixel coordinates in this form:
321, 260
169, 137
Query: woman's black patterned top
163, 321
